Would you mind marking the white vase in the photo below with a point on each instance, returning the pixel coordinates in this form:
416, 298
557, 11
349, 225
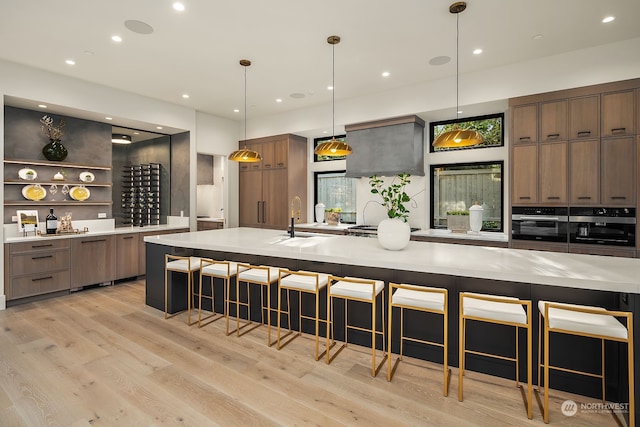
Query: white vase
319, 208
475, 218
394, 234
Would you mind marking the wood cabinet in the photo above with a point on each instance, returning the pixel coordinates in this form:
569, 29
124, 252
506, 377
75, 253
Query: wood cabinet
584, 175
554, 121
552, 178
36, 267
255, 146
584, 117
209, 225
618, 113
618, 172
524, 167
92, 260
127, 257
266, 192
525, 123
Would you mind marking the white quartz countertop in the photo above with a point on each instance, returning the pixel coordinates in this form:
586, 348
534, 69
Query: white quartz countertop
118, 230
547, 268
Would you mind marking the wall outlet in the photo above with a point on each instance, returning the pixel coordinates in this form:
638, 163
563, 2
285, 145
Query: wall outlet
14, 218
102, 214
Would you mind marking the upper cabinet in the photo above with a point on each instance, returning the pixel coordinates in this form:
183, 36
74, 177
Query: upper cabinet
525, 123
618, 113
554, 119
584, 117
618, 171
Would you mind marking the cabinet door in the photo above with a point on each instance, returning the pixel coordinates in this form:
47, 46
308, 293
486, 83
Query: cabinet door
618, 172
584, 117
276, 204
525, 174
525, 123
584, 176
554, 121
267, 151
127, 255
553, 173
618, 113
251, 202
92, 260
281, 153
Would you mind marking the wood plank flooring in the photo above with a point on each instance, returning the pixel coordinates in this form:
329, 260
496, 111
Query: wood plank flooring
100, 357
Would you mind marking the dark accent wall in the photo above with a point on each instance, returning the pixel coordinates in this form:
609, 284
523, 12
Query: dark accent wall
180, 174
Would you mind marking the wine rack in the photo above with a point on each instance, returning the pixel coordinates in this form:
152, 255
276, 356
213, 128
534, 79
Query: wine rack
141, 194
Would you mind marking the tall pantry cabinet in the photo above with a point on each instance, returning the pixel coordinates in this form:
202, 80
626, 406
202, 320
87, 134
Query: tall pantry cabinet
268, 187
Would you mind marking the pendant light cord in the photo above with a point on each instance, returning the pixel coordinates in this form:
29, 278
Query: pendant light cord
457, 64
333, 91
245, 106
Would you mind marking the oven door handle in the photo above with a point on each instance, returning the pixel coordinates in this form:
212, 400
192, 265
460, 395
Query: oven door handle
605, 219
539, 218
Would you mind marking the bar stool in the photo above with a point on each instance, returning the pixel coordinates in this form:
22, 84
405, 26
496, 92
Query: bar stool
584, 321
263, 276
499, 310
225, 270
180, 264
303, 282
363, 290
424, 299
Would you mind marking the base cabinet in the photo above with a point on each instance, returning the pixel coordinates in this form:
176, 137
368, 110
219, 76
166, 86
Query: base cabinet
92, 260
127, 255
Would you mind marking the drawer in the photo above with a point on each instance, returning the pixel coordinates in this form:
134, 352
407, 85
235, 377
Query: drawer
39, 245
37, 284
38, 262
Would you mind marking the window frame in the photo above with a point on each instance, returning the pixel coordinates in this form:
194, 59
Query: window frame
432, 126
315, 187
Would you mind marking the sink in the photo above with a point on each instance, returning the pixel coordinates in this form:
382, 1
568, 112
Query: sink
300, 240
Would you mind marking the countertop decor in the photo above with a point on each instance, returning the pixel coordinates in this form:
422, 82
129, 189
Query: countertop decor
54, 150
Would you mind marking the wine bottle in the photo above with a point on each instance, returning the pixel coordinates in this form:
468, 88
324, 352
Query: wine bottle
52, 222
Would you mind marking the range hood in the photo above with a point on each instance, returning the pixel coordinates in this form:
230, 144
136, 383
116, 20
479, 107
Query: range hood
386, 147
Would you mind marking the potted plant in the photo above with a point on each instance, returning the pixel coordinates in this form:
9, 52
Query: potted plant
458, 221
332, 216
394, 232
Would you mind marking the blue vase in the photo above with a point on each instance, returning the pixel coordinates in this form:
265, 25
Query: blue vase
55, 151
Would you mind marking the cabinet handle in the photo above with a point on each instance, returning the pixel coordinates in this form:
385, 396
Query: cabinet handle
525, 138
41, 246
258, 213
584, 133
42, 257
619, 197
553, 136
584, 197
525, 197
42, 278
618, 131
255, 166
128, 237
263, 210
553, 198
281, 164
93, 241
266, 165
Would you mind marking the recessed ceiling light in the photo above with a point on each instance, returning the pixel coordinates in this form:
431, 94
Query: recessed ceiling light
325, 131
185, 95
608, 19
116, 39
235, 110
439, 60
537, 37
118, 138
278, 99
136, 133
178, 6
158, 127
108, 118
460, 111
70, 62
42, 106
329, 87
386, 74
477, 51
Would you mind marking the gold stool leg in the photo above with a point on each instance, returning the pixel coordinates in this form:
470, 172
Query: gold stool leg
632, 412
461, 357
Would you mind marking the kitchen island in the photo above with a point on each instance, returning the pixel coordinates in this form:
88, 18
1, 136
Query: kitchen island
608, 282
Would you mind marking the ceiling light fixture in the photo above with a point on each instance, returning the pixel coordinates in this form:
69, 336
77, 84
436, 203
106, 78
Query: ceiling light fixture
118, 138
458, 137
70, 62
245, 155
333, 147
116, 39
608, 19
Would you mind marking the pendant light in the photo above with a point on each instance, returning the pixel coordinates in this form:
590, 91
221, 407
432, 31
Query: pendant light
458, 137
245, 155
333, 147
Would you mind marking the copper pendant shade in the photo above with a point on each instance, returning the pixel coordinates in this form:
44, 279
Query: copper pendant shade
333, 147
245, 155
458, 138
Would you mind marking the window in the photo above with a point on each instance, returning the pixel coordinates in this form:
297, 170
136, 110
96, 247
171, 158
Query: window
490, 127
456, 187
337, 192
321, 158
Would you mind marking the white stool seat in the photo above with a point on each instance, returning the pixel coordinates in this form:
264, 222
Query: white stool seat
184, 265
257, 275
220, 269
427, 298
584, 323
304, 282
494, 310
357, 290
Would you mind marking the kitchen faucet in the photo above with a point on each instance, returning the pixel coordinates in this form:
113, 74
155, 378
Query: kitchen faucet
296, 201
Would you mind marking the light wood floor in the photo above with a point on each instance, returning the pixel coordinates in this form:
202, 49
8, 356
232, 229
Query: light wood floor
100, 357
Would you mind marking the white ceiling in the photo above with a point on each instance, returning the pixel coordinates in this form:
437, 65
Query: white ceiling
197, 51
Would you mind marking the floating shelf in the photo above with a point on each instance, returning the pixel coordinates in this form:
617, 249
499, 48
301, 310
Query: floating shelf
56, 164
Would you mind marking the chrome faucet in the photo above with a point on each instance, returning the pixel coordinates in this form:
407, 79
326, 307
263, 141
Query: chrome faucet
295, 202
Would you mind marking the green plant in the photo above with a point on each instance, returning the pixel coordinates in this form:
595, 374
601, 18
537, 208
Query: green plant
457, 212
393, 196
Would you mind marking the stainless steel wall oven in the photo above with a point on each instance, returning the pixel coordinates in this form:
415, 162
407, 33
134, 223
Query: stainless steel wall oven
540, 223
603, 226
